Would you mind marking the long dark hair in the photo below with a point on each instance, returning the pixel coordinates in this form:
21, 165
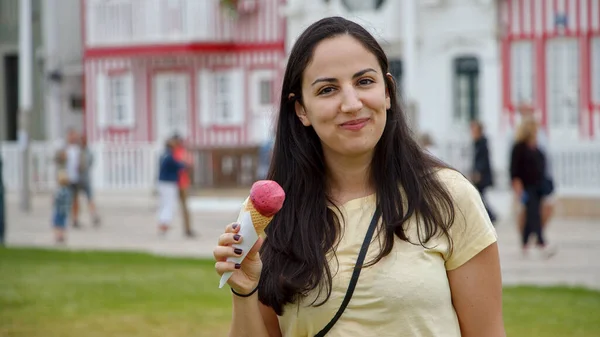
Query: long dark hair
301, 235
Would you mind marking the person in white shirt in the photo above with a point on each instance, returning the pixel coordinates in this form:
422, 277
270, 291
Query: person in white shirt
72, 165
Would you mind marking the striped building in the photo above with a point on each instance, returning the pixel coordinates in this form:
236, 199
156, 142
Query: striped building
551, 62
197, 68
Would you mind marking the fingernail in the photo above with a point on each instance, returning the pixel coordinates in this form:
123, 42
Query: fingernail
237, 237
235, 226
238, 251
238, 266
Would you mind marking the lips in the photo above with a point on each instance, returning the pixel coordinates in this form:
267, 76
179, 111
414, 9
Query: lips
355, 124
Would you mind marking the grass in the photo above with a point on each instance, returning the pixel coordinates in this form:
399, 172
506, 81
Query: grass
60, 293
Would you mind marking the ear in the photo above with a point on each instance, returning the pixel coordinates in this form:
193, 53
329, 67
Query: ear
300, 111
388, 101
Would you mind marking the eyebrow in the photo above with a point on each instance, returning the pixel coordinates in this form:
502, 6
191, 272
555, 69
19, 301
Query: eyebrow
331, 79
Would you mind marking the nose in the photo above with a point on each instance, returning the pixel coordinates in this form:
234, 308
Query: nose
351, 103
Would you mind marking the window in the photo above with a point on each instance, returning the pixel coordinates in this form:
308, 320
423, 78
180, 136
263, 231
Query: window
229, 97
563, 80
522, 73
396, 71
223, 99
115, 100
262, 90
595, 60
466, 89
171, 102
265, 91
362, 5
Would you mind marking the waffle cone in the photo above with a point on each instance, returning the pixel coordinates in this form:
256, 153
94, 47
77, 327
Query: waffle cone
259, 221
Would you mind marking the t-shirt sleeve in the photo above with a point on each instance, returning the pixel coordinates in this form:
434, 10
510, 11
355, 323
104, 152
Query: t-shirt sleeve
472, 230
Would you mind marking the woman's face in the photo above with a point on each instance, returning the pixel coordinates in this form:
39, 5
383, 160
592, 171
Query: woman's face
344, 97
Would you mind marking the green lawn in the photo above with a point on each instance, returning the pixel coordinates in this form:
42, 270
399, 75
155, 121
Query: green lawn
66, 294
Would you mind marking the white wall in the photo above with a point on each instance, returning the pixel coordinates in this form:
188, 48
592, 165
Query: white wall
62, 52
465, 28
384, 23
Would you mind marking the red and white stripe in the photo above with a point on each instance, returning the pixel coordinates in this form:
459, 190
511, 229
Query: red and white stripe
535, 20
254, 40
143, 70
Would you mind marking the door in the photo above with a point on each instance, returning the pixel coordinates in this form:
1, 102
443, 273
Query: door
171, 104
562, 97
11, 80
466, 90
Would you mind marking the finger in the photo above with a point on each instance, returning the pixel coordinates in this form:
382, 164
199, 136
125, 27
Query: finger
256, 246
227, 239
224, 266
233, 227
221, 253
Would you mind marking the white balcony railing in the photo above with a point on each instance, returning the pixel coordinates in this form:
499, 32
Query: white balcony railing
139, 22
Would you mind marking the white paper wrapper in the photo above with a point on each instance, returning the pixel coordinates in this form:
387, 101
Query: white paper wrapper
249, 238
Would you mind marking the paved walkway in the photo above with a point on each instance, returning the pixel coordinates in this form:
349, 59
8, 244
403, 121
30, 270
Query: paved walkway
129, 224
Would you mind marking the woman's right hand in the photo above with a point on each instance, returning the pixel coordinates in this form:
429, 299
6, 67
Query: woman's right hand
247, 274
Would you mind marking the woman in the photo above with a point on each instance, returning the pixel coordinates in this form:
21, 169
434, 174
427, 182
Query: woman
342, 150
168, 178
527, 167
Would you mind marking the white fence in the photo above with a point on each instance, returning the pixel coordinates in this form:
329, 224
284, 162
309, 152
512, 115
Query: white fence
134, 166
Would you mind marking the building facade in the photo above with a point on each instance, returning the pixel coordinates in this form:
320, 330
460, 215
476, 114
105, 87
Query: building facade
206, 70
551, 62
56, 69
9, 71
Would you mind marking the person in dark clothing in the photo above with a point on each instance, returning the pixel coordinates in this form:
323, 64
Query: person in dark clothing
168, 178
527, 167
481, 174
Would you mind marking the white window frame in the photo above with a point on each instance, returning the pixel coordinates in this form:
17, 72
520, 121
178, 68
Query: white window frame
258, 77
173, 112
560, 124
522, 76
229, 97
115, 92
223, 99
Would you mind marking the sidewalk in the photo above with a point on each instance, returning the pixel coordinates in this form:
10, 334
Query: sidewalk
129, 223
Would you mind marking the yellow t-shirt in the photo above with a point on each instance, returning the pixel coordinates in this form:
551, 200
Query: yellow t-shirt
407, 293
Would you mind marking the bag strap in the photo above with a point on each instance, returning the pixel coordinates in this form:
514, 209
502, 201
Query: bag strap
355, 274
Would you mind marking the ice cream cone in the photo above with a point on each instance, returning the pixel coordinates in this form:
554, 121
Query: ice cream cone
259, 221
266, 199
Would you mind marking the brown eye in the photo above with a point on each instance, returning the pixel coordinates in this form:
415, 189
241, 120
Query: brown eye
365, 81
325, 91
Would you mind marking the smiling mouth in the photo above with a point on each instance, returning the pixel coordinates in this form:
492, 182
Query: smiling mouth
355, 125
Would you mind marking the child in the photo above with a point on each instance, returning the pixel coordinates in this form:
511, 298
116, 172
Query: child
168, 190
62, 205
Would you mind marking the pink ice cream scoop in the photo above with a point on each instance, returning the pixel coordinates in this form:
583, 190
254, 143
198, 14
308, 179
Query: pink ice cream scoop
266, 199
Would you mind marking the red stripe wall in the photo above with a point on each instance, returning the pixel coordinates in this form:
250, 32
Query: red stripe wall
534, 20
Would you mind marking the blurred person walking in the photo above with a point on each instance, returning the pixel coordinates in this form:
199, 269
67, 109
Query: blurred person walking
168, 185
527, 167
85, 179
68, 159
62, 206
527, 113
183, 183
481, 172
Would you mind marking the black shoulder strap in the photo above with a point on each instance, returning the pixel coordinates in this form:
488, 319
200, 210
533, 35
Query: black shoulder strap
355, 274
